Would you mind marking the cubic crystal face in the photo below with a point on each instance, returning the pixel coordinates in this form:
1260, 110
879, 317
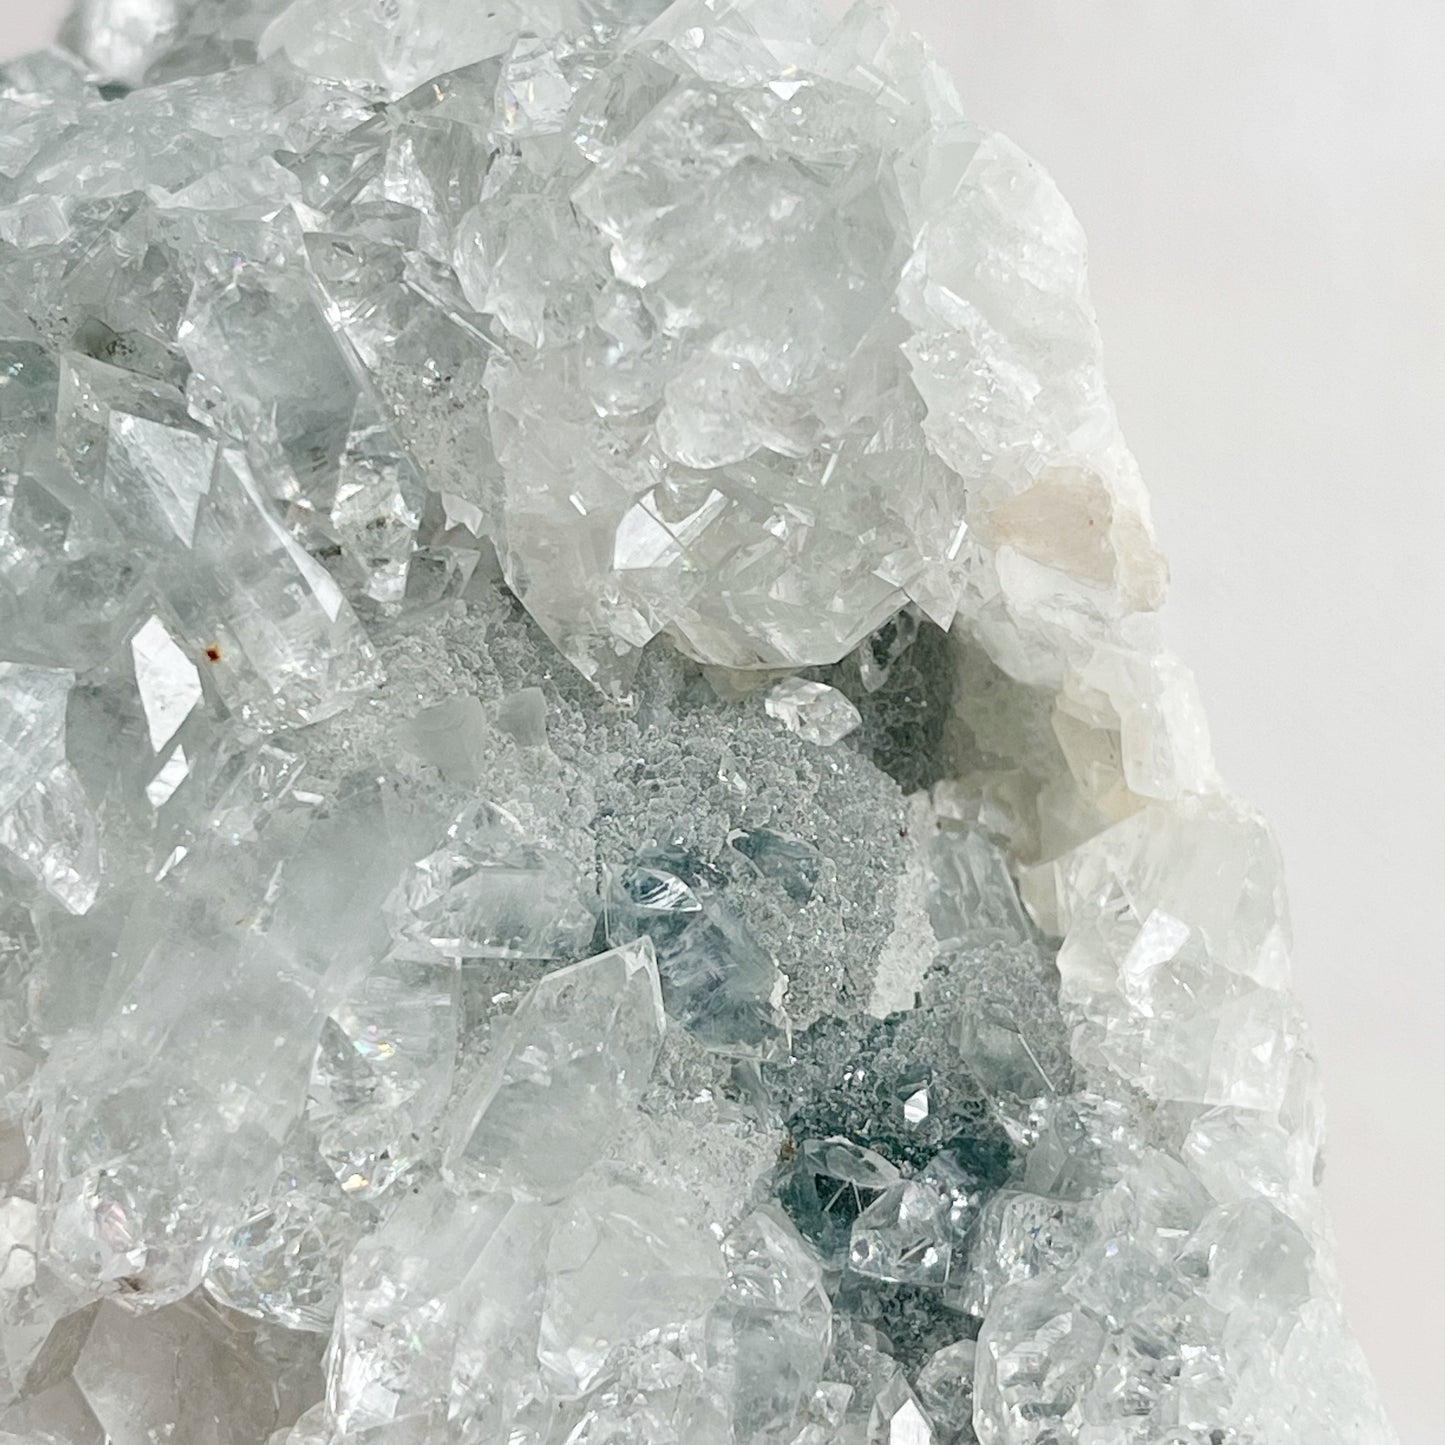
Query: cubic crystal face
597, 842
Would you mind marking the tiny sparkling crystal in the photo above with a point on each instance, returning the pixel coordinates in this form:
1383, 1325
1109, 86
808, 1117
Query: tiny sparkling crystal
597, 840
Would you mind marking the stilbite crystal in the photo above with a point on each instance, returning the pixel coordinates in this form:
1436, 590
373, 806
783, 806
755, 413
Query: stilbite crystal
598, 843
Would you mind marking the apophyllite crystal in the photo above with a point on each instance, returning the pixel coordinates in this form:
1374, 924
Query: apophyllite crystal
597, 841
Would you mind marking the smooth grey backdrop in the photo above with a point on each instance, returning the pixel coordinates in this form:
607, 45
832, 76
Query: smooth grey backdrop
1264, 188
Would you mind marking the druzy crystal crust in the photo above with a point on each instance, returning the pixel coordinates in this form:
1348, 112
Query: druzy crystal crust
597, 842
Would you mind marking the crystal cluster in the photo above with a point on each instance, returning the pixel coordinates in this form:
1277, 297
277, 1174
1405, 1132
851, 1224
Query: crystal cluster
597, 843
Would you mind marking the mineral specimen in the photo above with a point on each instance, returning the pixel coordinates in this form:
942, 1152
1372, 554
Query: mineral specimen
597, 840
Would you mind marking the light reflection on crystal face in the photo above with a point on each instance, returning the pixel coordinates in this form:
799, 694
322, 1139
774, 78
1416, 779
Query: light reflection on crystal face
174, 771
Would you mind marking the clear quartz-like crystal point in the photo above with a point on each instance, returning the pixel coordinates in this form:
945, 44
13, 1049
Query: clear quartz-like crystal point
574, 1058
621, 1265
945, 1391
194, 1371
488, 892
382, 1073
768, 1338
897, 1418
903, 1236
816, 712
717, 981
1038, 1355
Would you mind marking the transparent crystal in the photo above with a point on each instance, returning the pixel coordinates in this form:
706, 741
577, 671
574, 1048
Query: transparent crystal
193, 1370
32, 727
768, 1339
903, 1236
289, 650
621, 1265
1018, 1236
284, 1262
1037, 1357
897, 1418
383, 1069
829, 1184
816, 712
945, 1391
717, 981
156, 476
576, 1055
489, 893
51, 835
407, 1292
169, 684
1175, 960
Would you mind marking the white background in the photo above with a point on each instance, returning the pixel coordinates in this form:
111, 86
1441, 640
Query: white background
1263, 186
1264, 189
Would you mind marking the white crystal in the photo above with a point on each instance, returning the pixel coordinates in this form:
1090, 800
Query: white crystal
575, 1056
621, 1265
155, 469
32, 726
489, 893
169, 682
1175, 953
903, 1236
816, 712
173, 772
